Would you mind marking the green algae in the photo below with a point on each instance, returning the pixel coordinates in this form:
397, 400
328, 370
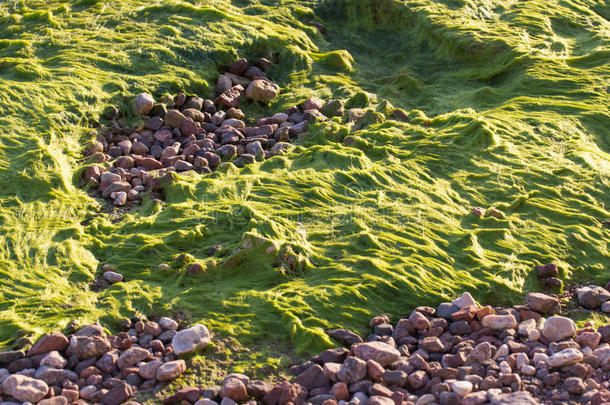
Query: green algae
506, 106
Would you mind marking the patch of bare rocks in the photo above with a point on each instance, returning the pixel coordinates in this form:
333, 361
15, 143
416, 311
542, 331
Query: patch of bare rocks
458, 353
92, 367
188, 133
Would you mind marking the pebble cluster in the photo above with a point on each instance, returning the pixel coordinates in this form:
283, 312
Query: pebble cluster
189, 133
458, 353
92, 367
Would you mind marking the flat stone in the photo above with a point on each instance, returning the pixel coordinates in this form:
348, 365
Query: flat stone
543, 303
25, 389
344, 336
499, 322
55, 341
565, 357
382, 353
170, 370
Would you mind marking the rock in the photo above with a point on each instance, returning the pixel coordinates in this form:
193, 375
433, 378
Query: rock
312, 104
25, 389
258, 389
149, 370
514, 398
543, 303
53, 359
344, 336
548, 270
188, 127
462, 388
230, 98
235, 389
174, 118
464, 300
446, 309
312, 378
54, 376
189, 340
419, 321
606, 307
235, 123
113, 277
382, 353
353, 369
116, 187
119, 198
227, 152
379, 400
170, 370
588, 339
223, 84
117, 394
168, 323
333, 108
432, 344
183, 166
499, 322
143, 103
256, 149
565, 357
189, 394
56, 341
262, 90
88, 346
132, 356
58, 400
148, 163
558, 327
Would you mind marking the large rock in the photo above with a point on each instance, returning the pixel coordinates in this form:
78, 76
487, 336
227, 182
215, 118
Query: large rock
344, 336
235, 389
143, 103
189, 340
117, 394
56, 341
543, 303
382, 353
353, 369
88, 346
54, 376
170, 370
499, 322
565, 357
174, 118
25, 389
131, 356
262, 90
312, 378
558, 327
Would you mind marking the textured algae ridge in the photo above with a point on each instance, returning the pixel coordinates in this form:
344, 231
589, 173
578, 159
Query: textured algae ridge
508, 109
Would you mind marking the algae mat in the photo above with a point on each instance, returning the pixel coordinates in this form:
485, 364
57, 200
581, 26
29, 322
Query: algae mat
507, 105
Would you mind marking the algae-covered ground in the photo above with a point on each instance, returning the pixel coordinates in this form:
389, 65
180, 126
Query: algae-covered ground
508, 108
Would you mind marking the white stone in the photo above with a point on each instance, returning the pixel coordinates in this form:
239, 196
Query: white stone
521, 360
464, 300
53, 359
558, 327
534, 335
606, 307
113, 277
540, 357
505, 368
526, 326
564, 358
280, 117
528, 370
462, 388
503, 351
168, 323
499, 322
189, 340
143, 103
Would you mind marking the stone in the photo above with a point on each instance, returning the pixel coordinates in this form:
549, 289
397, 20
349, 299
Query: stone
54, 376
588, 339
558, 327
446, 309
117, 394
168, 323
418, 379
499, 322
25, 389
432, 344
419, 321
514, 398
234, 122
189, 340
462, 388
565, 357
119, 198
188, 127
425, 399
143, 103
189, 394
174, 118
148, 163
58, 400
256, 149
230, 98
344, 336
183, 166
548, 270
85, 347
258, 389
464, 300
170, 370
235, 389
475, 398
340, 391
379, 400
382, 353
353, 369
333, 108
606, 307
227, 152
312, 104
116, 187
312, 378
262, 90
53, 359
132, 356
55, 341
223, 83
543, 303
113, 277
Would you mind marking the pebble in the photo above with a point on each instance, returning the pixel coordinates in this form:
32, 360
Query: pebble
190, 340
499, 321
558, 327
113, 277
143, 103
565, 357
462, 388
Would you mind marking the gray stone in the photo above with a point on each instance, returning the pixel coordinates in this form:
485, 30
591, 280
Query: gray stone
189, 340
